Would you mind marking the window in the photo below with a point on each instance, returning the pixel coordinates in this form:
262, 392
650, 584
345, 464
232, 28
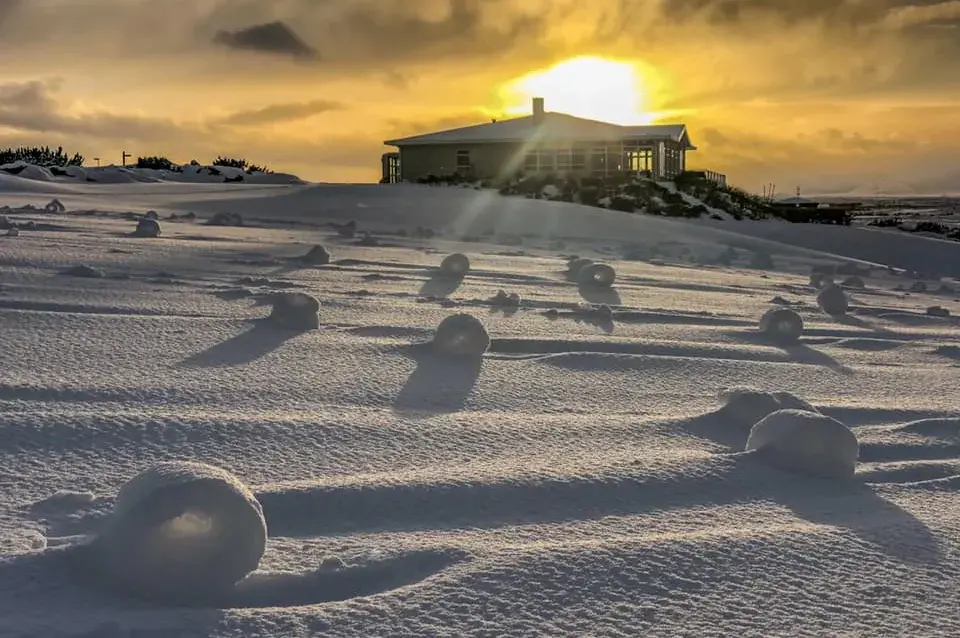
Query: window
530, 163
463, 161
598, 162
547, 161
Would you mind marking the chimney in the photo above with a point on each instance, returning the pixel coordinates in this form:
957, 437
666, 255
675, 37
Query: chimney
538, 109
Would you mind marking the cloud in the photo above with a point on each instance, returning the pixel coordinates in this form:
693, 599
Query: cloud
397, 129
273, 37
913, 15
31, 106
280, 113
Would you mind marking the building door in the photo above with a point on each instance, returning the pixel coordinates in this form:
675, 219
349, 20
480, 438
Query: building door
391, 168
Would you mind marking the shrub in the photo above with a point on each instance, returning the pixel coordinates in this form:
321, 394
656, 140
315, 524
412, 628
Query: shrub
590, 195
240, 163
931, 227
40, 156
159, 163
623, 204
886, 222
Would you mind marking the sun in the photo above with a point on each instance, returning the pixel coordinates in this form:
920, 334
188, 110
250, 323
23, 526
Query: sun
590, 87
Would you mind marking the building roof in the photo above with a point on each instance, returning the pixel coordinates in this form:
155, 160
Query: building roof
549, 126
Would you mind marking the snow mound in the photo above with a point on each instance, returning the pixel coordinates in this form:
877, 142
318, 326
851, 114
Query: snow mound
833, 301
147, 227
182, 530
601, 275
461, 335
317, 256
455, 265
781, 325
189, 173
575, 266
296, 310
806, 442
747, 406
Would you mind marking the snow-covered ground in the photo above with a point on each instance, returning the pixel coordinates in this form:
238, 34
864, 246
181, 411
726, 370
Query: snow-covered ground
576, 481
189, 173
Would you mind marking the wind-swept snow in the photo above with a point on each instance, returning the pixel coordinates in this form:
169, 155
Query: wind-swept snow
581, 477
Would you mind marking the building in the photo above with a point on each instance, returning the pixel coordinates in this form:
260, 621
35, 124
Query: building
796, 202
541, 143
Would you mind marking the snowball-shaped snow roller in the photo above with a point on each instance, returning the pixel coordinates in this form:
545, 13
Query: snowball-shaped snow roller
456, 265
461, 335
181, 531
317, 256
601, 275
147, 227
781, 325
833, 301
576, 266
807, 443
296, 310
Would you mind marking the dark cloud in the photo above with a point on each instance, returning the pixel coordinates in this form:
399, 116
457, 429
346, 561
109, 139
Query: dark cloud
832, 13
7, 8
378, 30
279, 113
273, 37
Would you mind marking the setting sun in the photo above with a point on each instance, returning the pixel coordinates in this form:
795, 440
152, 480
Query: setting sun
589, 87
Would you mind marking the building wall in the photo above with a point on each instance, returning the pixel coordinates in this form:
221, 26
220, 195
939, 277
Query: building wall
489, 161
486, 160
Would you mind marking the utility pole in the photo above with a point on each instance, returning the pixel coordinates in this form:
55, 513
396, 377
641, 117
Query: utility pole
97, 160
125, 156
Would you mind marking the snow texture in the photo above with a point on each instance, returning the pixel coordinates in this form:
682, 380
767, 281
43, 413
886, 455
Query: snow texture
577, 479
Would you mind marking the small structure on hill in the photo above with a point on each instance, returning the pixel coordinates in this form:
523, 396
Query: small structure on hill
541, 143
804, 210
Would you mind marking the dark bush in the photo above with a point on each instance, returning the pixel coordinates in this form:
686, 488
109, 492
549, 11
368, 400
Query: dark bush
230, 162
931, 227
675, 209
40, 156
158, 163
623, 204
240, 163
590, 195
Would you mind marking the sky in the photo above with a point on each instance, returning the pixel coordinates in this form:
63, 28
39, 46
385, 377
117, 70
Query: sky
831, 96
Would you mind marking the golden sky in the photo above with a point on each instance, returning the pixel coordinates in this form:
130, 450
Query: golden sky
829, 95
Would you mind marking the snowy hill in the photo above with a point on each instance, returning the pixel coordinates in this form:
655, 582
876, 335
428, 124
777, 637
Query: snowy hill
191, 173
